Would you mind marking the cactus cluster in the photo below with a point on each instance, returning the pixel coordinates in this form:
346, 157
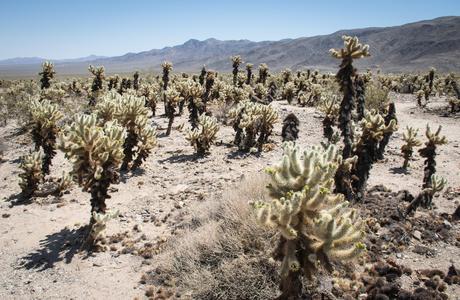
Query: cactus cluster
202, 137
425, 197
44, 118
98, 81
96, 153
249, 120
429, 153
315, 224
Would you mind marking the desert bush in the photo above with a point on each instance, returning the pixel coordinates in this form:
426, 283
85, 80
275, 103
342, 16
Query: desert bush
314, 224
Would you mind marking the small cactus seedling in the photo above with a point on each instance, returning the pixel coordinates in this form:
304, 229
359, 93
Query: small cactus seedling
32, 175
410, 141
315, 224
352, 50
45, 117
425, 198
47, 74
373, 130
236, 61
203, 137
96, 153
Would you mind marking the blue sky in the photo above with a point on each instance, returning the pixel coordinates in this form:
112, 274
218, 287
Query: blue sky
68, 29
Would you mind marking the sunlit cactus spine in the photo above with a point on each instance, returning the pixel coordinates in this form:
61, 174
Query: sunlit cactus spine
249, 74
391, 115
236, 61
410, 141
352, 50
202, 137
45, 117
32, 173
97, 85
315, 225
373, 130
96, 153
47, 74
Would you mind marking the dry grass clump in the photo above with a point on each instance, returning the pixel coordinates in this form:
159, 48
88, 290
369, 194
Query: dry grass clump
377, 97
223, 253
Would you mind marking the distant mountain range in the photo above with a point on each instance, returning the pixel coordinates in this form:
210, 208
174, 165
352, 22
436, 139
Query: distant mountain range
410, 47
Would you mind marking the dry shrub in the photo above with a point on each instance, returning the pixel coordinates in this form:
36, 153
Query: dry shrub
376, 97
223, 254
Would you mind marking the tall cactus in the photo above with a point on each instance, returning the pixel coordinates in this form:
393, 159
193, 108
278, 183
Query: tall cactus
352, 50
236, 61
315, 225
47, 74
167, 68
97, 85
249, 74
391, 115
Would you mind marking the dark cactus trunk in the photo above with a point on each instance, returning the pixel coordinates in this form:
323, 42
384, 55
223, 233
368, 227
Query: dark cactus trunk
360, 97
130, 143
344, 76
391, 115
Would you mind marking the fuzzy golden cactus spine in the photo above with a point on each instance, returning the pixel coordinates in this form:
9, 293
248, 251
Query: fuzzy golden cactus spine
410, 141
373, 130
204, 136
352, 50
45, 117
96, 153
391, 115
236, 61
47, 74
429, 153
315, 224
32, 174
98, 81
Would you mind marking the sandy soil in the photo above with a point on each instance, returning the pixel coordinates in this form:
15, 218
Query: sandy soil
39, 258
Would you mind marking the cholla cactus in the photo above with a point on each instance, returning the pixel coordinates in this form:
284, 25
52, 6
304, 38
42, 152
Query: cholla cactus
136, 80
96, 153
249, 74
425, 198
268, 117
263, 74
330, 107
45, 117
99, 225
391, 115
107, 108
132, 113
411, 141
193, 93
204, 136
352, 50
289, 91
202, 75
373, 130
97, 85
173, 98
167, 68
315, 224
31, 165
429, 153
210, 78
260, 91
236, 61
47, 74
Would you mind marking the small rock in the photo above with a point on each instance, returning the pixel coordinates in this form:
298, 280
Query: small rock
6, 215
417, 234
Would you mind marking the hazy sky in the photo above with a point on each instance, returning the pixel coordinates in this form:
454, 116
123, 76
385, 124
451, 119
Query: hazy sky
67, 29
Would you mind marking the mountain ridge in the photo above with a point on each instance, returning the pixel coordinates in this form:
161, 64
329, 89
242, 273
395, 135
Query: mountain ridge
414, 46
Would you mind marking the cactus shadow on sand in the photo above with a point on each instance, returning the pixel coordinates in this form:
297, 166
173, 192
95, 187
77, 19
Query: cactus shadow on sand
181, 158
56, 247
399, 170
